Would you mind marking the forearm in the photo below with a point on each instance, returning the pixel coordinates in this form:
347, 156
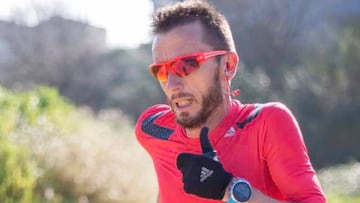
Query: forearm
261, 197
257, 197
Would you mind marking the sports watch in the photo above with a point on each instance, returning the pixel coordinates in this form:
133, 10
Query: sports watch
240, 191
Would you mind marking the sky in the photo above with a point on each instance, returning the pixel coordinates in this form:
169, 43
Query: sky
127, 23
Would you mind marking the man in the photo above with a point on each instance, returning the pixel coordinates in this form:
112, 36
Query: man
206, 146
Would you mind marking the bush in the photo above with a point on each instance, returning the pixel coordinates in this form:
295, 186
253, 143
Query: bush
76, 155
16, 175
40, 106
342, 179
341, 183
42, 109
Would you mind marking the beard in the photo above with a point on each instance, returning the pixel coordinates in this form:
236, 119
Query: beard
210, 102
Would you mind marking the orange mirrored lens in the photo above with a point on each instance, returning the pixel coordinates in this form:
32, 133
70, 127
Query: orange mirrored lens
183, 65
180, 67
162, 74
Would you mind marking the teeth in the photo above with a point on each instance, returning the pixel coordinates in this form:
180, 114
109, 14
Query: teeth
183, 103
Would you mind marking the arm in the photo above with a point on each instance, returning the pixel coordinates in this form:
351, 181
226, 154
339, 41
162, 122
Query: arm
257, 197
287, 158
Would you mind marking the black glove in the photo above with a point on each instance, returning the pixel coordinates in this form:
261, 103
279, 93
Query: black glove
203, 175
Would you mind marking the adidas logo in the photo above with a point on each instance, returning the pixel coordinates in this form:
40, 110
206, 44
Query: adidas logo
205, 173
231, 132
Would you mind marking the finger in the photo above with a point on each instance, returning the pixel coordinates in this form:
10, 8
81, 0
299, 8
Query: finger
207, 149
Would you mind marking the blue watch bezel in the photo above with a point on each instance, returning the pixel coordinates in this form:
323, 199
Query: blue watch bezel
235, 182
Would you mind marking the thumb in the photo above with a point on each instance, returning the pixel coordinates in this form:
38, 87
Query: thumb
207, 149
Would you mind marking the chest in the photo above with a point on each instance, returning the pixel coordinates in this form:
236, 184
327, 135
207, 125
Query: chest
240, 153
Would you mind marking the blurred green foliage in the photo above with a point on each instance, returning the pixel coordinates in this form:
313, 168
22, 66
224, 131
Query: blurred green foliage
21, 110
52, 152
341, 198
17, 178
38, 106
341, 183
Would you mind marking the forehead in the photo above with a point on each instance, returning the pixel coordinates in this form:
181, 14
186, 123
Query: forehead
181, 40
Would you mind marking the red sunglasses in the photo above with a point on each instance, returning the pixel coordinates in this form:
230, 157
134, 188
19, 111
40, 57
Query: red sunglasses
182, 65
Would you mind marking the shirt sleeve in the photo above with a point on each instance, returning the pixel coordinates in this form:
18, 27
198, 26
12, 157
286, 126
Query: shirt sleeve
142, 137
287, 157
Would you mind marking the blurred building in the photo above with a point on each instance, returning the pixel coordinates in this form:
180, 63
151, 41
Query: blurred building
74, 32
6, 30
43, 52
52, 32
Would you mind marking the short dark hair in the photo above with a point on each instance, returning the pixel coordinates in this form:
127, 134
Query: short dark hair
217, 29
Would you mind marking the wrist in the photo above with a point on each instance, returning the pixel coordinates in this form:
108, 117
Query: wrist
227, 193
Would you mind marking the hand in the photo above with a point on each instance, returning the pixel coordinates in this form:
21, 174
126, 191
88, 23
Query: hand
203, 175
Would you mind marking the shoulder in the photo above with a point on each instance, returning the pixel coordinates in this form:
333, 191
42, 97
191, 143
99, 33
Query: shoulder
281, 127
276, 106
264, 112
157, 121
277, 112
270, 109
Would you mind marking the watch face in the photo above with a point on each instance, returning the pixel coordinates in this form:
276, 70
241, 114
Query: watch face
242, 191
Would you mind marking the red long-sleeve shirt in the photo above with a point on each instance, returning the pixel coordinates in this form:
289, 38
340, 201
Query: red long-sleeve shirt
259, 142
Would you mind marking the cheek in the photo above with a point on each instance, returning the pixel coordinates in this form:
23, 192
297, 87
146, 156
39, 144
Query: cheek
166, 92
203, 79
199, 86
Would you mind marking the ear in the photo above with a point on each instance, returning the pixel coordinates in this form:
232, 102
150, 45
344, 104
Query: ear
231, 65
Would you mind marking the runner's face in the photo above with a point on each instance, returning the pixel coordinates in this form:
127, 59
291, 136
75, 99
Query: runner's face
210, 100
194, 97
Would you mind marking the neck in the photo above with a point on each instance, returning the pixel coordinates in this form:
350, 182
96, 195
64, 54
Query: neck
214, 119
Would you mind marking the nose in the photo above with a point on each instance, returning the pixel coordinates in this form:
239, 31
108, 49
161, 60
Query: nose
174, 82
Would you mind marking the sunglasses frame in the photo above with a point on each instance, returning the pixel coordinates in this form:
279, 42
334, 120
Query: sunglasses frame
201, 57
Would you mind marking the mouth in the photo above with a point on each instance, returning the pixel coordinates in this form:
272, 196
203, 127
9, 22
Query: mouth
183, 103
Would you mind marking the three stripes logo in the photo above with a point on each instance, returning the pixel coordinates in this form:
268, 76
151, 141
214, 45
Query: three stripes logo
205, 173
231, 132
